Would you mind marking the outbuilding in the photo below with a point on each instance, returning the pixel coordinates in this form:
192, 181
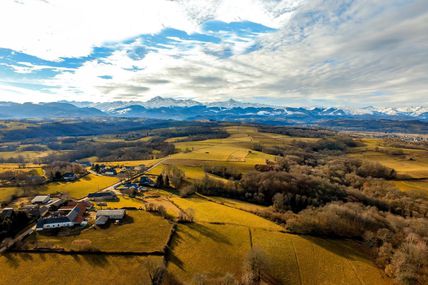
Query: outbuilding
101, 220
41, 199
102, 196
112, 214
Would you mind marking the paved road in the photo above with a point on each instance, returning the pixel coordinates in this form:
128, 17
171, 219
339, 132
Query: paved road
20, 237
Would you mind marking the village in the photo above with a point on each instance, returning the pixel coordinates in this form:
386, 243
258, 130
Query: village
59, 215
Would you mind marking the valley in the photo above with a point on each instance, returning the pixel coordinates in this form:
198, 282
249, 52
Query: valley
193, 236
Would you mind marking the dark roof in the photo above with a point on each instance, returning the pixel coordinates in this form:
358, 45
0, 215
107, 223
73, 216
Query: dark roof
69, 174
101, 194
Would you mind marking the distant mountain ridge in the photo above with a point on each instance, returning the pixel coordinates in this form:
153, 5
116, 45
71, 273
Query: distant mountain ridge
187, 109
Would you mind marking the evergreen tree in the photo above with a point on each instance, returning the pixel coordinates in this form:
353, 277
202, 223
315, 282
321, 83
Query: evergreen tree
159, 181
166, 182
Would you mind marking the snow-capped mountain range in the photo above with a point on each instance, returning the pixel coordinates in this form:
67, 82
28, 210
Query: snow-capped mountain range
187, 109
161, 102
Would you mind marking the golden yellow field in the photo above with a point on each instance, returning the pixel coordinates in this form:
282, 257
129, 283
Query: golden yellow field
57, 269
212, 250
140, 232
297, 259
7, 192
220, 239
124, 202
27, 155
146, 163
412, 163
234, 151
206, 211
241, 205
80, 188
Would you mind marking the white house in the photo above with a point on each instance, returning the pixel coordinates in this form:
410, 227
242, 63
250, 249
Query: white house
74, 217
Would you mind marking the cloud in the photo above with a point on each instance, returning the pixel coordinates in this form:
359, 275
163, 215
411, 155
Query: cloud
282, 52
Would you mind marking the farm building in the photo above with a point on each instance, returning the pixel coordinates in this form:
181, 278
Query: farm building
112, 214
54, 204
69, 177
102, 196
42, 199
101, 220
110, 171
34, 210
73, 217
146, 181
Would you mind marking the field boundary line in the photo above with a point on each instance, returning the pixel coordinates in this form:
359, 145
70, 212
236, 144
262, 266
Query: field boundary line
297, 262
69, 252
355, 271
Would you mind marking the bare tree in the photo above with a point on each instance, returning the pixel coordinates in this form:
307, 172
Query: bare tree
155, 271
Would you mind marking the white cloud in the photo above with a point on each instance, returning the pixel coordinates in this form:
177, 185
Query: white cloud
324, 52
64, 28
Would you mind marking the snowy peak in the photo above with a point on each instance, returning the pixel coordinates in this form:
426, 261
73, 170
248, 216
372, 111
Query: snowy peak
160, 102
231, 103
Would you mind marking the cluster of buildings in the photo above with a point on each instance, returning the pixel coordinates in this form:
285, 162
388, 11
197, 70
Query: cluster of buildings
70, 215
105, 170
146, 181
58, 213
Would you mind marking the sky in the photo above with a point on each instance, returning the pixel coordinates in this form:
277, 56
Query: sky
278, 52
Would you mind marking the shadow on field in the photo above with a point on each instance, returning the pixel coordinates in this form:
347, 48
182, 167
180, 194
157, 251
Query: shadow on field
351, 250
96, 260
170, 255
209, 233
11, 259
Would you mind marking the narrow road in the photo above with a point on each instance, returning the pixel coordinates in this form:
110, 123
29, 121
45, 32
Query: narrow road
31, 229
20, 237
113, 187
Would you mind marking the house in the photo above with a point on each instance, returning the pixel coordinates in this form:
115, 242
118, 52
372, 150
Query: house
146, 181
110, 171
69, 176
42, 199
102, 196
74, 216
112, 214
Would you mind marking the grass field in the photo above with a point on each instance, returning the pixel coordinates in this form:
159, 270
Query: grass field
238, 204
305, 260
124, 202
213, 250
27, 155
234, 151
140, 232
147, 163
413, 163
80, 188
206, 211
418, 186
57, 269
7, 192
